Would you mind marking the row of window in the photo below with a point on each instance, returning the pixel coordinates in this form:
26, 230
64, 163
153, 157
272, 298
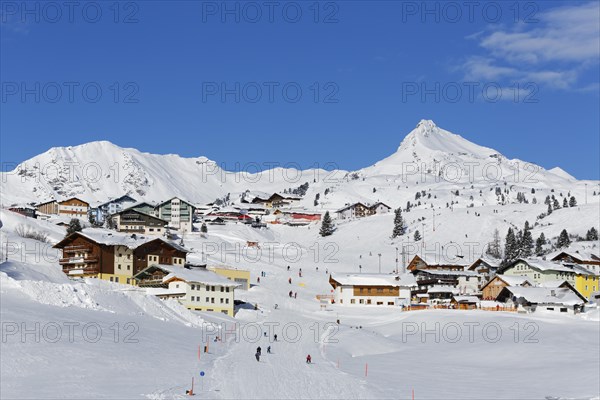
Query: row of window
211, 288
379, 290
116, 279
210, 299
367, 301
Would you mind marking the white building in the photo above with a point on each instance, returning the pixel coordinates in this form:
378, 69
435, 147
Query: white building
196, 288
371, 289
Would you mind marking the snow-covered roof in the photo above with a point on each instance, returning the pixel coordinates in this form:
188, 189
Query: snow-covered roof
446, 272
544, 265
158, 291
493, 262
113, 238
541, 295
466, 299
191, 275
371, 279
434, 259
442, 289
513, 280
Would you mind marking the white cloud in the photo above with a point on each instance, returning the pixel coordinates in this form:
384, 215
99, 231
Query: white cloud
552, 52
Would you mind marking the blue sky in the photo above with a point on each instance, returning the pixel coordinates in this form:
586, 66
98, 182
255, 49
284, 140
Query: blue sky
184, 77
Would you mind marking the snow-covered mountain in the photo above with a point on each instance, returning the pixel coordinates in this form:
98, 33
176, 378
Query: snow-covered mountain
429, 158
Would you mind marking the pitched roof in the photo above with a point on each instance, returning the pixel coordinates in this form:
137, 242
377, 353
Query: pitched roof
372, 279
541, 295
191, 275
445, 272
112, 238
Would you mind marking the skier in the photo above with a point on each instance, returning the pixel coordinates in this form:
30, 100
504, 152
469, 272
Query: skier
257, 355
295, 294
308, 359
275, 337
290, 294
317, 268
269, 350
288, 267
258, 350
258, 280
290, 281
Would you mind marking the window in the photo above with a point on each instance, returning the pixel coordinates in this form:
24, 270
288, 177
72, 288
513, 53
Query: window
352, 301
111, 279
117, 279
227, 289
380, 290
390, 303
226, 301
128, 267
207, 299
128, 281
119, 266
563, 309
222, 289
222, 300
212, 299
193, 287
193, 298
368, 301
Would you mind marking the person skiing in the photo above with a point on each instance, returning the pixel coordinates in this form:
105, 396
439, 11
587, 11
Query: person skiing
288, 267
290, 281
269, 350
257, 355
308, 359
258, 350
258, 280
275, 337
290, 294
295, 294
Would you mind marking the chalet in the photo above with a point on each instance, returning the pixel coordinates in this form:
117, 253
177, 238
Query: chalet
73, 207
101, 211
134, 221
485, 266
465, 302
356, 210
577, 258
495, 285
371, 289
274, 200
48, 207
115, 256
359, 210
178, 213
195, 288
427, 262
458, 282
251, 209
379, 208
25, 210
557, 300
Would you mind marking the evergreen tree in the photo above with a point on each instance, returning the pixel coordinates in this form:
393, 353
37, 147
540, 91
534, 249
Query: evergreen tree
510, 246
74, 226
398, 223
539, 244
549, 210
572, 201
494, 246
526, 244
203, 228
327, 227
417, 236
527, 226
565, 203
592, 234
556, 205
563, 239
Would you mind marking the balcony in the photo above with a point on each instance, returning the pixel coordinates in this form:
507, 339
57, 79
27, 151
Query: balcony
77, 260
77, 249
81, 271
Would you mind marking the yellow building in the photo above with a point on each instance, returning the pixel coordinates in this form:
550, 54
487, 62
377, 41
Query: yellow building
586, 284
233, 274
